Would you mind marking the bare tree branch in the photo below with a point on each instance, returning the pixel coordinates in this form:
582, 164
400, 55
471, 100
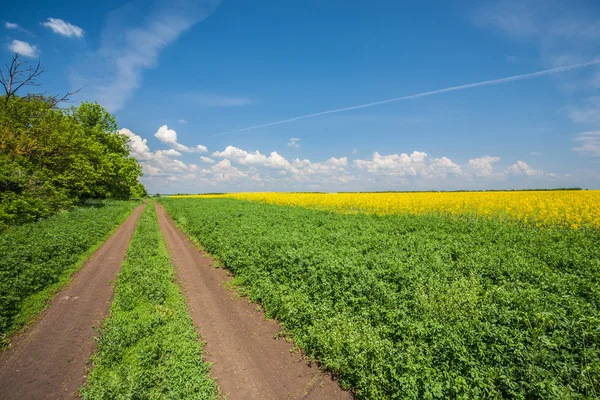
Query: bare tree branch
18, 75
66, 98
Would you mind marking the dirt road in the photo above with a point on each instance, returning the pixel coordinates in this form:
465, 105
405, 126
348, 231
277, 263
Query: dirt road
249, 363
49, 359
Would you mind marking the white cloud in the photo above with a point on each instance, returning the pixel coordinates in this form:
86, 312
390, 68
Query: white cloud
166, 135
589, 143
297, 163
417, 164
522, 168
127, 49
337, 162
170, 153
294, 142
274, 160
10, 25
183, 121
223, 171
63, 28
23, 48
169, 136
482, 166
240, 170
138, 146
354, 150
160, 163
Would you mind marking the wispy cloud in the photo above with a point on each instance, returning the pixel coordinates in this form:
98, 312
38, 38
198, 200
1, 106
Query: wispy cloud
589, 143
23, 48
11, 25
509, 79
183, 121
128, 47
63, 28
565, 32
294, 142
215, 100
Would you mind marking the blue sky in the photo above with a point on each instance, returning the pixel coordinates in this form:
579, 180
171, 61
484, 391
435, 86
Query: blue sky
179, 74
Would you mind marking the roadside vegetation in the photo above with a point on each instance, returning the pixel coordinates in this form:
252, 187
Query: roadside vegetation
418, 307
39, 257
51, 158
148, 348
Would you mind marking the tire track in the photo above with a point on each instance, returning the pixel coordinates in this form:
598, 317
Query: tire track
48, 360
249, 363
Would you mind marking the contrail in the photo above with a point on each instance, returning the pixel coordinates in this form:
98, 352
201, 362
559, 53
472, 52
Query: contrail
424, 94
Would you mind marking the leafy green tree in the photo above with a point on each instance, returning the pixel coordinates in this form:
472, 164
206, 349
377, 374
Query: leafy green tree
52, 158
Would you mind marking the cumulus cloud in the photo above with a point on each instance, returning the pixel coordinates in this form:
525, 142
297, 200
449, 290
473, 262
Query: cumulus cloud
138, 146
274, 160
129, 47
521, 168
337, 162
417, 164
295, 172
171, 153
23, 48
239, 169
482, 166
589, 143
294, 142
223, 171
159, 163
169, 136
63, 28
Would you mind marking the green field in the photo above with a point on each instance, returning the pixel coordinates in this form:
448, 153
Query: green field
418, 307
38, 258
148, 348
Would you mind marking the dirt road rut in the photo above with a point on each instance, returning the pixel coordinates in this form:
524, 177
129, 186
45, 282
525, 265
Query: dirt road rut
249, 363
48, 360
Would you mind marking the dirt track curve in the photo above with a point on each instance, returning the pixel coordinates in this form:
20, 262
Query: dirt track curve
249, 363
48, 360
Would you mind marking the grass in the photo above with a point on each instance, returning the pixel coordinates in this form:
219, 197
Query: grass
418, 307
147, 348
39, 258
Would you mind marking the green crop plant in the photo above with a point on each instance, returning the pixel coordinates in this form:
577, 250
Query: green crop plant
418, 307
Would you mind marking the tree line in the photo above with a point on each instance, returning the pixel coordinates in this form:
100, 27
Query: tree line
53, 158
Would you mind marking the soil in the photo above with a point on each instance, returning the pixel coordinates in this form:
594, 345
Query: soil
249, 362
49, 359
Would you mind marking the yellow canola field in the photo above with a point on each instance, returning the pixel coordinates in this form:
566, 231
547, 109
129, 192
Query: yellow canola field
572, 209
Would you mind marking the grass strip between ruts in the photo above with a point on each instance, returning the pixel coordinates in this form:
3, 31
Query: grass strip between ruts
148, 347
